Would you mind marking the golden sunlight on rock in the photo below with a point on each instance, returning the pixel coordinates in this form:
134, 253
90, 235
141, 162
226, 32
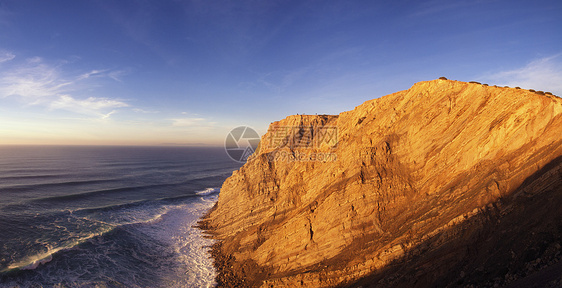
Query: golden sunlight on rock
446, 183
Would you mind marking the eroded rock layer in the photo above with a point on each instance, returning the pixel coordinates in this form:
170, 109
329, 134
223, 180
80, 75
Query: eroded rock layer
446, 183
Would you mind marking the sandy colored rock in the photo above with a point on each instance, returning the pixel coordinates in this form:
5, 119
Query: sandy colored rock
417, 187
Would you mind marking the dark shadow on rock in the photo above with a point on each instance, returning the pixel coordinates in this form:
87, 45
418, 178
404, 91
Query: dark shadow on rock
514, 242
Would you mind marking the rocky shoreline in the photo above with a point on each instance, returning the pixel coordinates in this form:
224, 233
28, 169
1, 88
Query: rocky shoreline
227, 275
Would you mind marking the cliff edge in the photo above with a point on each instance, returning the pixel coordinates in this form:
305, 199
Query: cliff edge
447, 183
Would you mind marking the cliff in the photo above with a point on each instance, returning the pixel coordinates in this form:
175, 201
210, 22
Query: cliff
446, 183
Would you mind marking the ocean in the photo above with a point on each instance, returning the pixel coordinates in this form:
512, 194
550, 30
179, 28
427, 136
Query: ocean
75, 216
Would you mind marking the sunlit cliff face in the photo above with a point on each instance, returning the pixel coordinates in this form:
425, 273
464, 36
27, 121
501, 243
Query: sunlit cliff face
414, 169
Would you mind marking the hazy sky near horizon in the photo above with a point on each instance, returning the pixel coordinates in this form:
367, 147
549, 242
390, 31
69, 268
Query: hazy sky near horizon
186, 72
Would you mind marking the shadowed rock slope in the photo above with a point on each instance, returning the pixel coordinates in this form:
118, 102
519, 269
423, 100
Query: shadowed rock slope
447, 183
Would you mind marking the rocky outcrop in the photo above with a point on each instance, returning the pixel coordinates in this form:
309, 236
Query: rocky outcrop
446, 183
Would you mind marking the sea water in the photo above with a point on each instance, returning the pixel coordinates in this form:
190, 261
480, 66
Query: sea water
75, 216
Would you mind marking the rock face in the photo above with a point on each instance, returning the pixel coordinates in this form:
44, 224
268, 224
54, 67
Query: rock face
444, 184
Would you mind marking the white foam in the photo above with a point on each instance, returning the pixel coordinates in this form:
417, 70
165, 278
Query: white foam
194, 267
33, 261
194, 251
36, 263
171, 225
207, 191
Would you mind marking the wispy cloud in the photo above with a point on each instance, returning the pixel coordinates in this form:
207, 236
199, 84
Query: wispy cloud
117, 74
139, 110
189, 122
106, 116
541, 74
93, 73
277, 81
67, 102
113, 74
32, 80
6, 56
36, 82
193, 124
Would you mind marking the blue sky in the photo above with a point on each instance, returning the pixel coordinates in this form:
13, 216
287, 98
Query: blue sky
186, 72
